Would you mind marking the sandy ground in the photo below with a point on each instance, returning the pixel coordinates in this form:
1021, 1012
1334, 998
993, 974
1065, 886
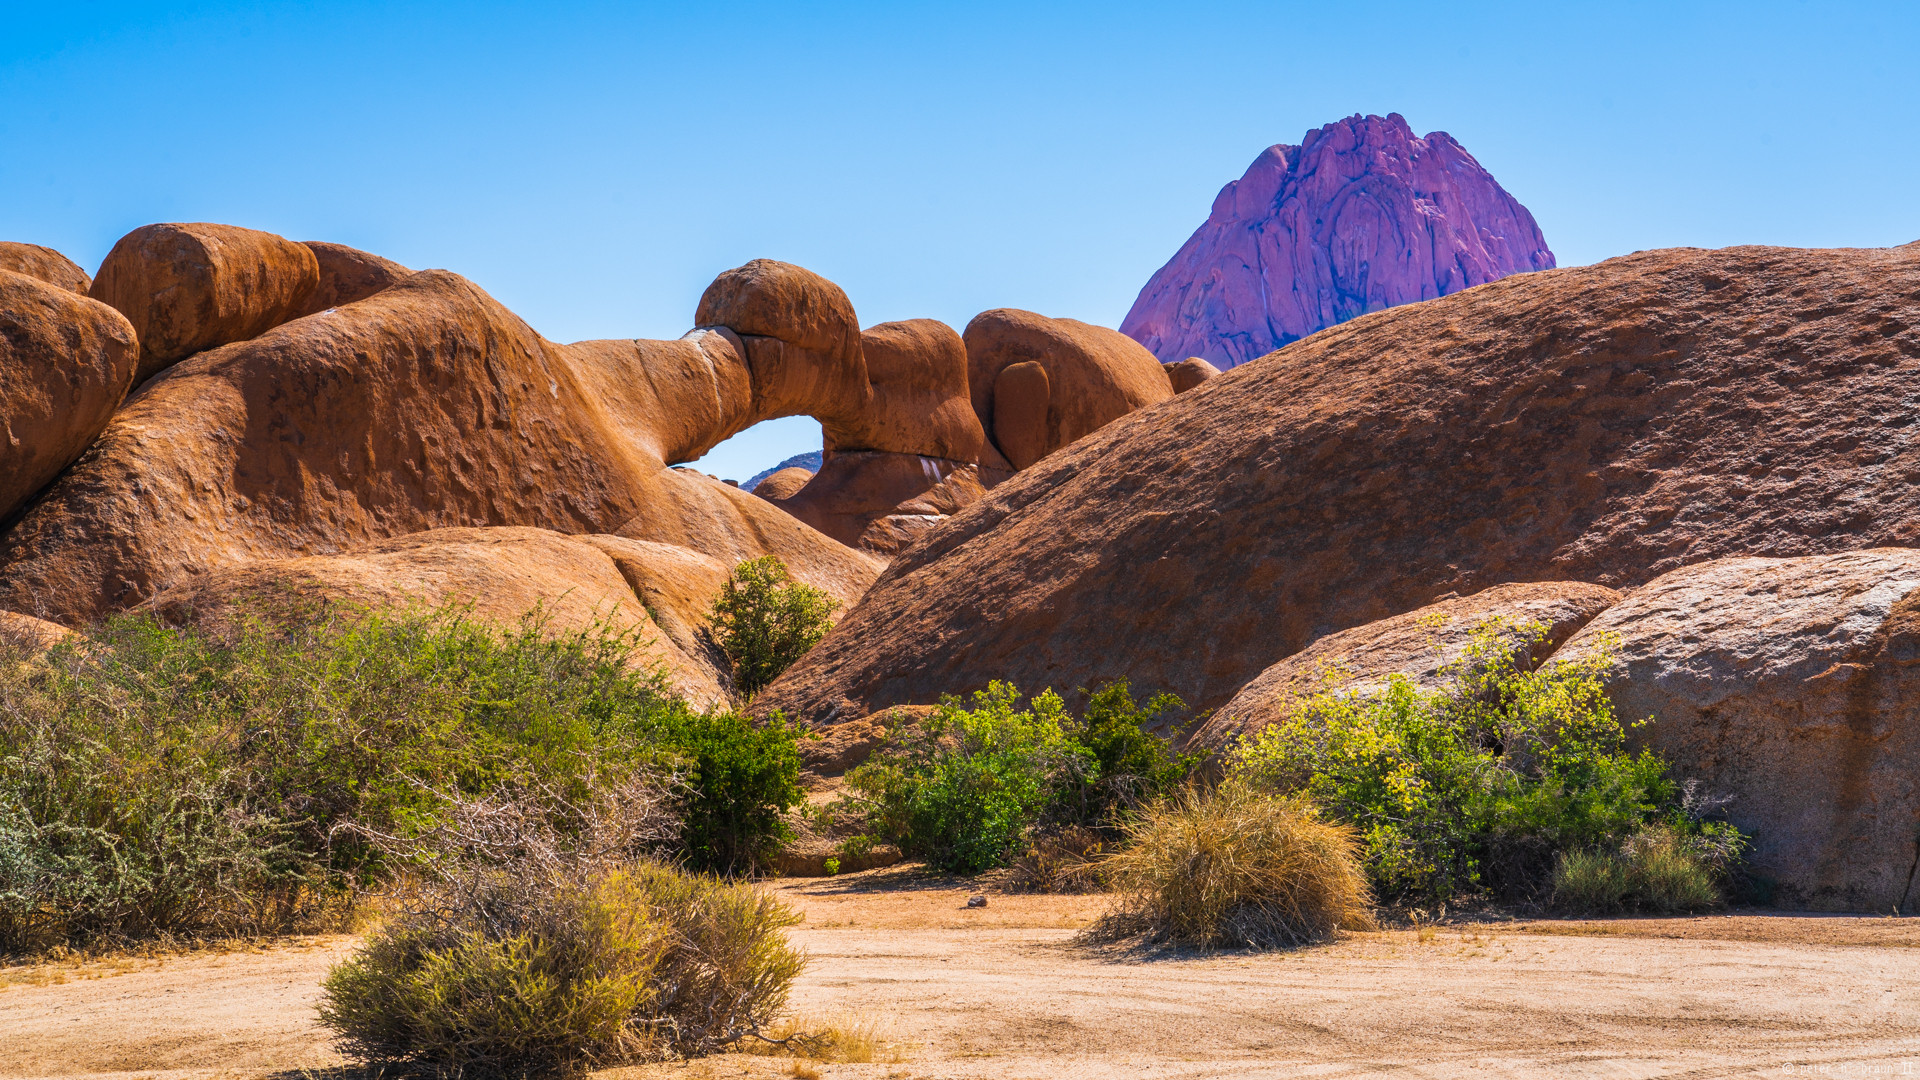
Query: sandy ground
1004, 992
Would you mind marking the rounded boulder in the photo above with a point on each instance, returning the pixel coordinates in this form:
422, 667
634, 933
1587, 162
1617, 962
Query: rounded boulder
66, 362
44, 263
1789, 688
188, 288
1095, 375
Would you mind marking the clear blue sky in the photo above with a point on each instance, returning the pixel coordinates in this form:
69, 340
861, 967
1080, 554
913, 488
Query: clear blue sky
593, 166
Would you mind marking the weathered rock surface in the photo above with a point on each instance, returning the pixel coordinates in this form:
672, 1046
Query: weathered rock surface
920, 399
1189, 373
684, 509
768, 298
1419, 644
348, 274
882, 502
187, 288
66, 362
843, 746
26, 633
1605, 424
782, 483
1792, 686
892, 402
1359, 217
425, 406
44, 263
1063, 379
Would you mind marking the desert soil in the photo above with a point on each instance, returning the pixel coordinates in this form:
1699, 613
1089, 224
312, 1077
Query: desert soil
1004, 991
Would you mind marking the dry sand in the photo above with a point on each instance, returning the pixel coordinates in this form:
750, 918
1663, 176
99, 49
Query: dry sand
1003, 991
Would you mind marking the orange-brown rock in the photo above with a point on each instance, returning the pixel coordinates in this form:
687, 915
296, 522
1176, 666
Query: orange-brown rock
801, 340
919, 401
1419, 644
783, 483
657, 592
65, 364
188, 288
44, 263
682, 508
1093, 376
24, 633
898, 387
348, 274
843, 746
674, 399
883, 502
1189, 373
1022, 396
892, 402
1604, 423
1791, 686
425, 406
766, 298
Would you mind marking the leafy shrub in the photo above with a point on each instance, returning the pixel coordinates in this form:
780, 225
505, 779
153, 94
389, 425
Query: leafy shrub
114, 864
764, 621
1480, 784
165, 781
1126, 766
962, 792
541, 947
1235, 867
1660, 869
965, 790
744, 777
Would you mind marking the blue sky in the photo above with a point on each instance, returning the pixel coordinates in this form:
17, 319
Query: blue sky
594, 166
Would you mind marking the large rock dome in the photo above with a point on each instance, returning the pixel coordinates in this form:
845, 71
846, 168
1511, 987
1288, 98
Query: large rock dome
1602, 424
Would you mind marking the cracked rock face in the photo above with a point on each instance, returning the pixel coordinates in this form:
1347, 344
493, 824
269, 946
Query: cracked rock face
1360, 216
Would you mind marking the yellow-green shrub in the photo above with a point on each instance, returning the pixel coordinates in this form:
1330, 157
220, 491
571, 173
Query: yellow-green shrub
764, 621
633, 964
1482, 783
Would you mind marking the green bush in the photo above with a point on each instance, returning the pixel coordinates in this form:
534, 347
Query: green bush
537, 947
165, 781
744, 778
962, 792
1126, 766
966, 788
764, 621
1479, 785
1235, 867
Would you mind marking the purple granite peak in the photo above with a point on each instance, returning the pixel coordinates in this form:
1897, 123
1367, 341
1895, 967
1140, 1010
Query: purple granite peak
1360, 216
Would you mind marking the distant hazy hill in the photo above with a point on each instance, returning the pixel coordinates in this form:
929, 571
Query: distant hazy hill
809, 461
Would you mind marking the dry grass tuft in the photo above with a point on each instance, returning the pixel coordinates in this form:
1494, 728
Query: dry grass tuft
849, 1038
1069, 860
1235, 867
